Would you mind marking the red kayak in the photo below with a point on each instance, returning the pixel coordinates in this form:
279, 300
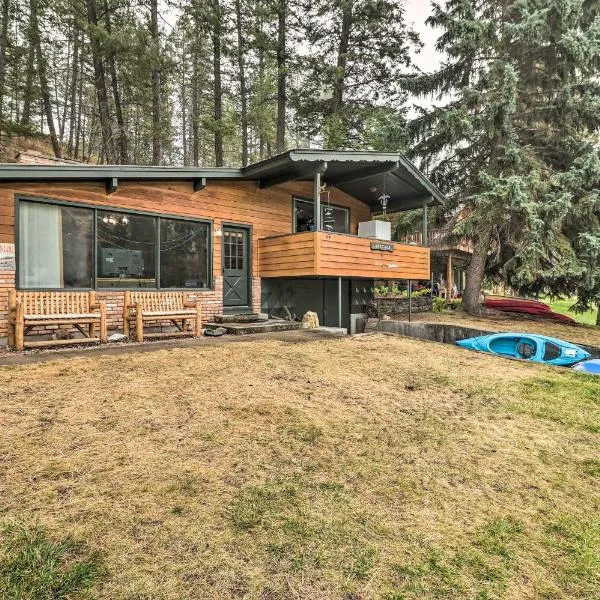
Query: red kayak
525, 306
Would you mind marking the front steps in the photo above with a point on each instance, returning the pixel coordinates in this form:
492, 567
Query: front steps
246, 324
241, 318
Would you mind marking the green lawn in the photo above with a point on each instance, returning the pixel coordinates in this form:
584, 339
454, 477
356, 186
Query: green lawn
562, 307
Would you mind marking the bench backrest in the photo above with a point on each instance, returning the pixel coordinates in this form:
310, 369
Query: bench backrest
157, 301
53, 303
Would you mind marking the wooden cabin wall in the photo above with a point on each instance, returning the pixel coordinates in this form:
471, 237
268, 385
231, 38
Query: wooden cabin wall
268, 211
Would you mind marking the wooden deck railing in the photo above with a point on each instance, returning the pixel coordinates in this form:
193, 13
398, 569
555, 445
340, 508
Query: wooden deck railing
438, 240
323, 254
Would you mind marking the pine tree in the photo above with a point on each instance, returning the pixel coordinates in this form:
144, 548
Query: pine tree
358, 49
515, 139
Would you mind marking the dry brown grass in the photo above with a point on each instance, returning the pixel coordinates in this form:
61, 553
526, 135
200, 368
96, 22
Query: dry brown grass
362, 468
582, 334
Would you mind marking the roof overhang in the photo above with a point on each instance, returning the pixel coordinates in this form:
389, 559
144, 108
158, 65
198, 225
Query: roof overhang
362, 174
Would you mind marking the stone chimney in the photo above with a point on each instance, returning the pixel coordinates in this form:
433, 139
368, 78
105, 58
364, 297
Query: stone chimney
33, 157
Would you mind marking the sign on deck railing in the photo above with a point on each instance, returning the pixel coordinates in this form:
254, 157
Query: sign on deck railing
384, 246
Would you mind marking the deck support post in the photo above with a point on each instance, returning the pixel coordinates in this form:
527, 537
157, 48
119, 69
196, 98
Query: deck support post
449, 278
339, 301
319, 170
409, 300
425, 222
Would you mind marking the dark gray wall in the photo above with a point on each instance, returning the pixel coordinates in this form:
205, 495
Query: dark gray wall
300, 295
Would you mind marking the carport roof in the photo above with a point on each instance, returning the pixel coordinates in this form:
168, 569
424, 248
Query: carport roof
362, 174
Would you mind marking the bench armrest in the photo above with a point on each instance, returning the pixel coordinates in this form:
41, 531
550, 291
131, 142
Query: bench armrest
98, 305
191, 303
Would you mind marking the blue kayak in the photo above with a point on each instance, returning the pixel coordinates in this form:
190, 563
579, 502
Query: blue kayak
528, 346
589, 366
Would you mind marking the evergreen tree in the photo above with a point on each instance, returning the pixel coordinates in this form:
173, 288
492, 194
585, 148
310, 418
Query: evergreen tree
515, 141
358, 48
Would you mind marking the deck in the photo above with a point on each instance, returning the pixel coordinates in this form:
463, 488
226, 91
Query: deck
324, 254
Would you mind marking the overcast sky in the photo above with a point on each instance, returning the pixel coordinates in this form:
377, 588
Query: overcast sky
417, 12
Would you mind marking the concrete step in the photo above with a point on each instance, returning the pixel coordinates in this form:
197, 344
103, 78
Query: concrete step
245, 328
241, 318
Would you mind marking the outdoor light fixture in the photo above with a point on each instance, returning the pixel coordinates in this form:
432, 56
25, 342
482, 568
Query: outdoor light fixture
218, 232
373, 188
384, 198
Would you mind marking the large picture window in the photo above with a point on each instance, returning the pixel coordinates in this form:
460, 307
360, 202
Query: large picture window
184, 249
333, 218
57, 244
126, 250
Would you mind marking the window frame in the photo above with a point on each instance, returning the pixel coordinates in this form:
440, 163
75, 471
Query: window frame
346, 209
103, 207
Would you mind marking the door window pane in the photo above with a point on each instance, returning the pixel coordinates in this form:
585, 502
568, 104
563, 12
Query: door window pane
184, 254
126, 250
333, 218
55, 246
233, 250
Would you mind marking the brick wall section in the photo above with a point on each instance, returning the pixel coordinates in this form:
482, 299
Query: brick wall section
256, 299
7, 282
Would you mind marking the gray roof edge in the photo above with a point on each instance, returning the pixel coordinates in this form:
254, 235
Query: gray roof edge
10, 171
422, 178
24, 172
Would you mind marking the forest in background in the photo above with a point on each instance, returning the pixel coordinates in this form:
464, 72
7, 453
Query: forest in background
508, 125
203, 82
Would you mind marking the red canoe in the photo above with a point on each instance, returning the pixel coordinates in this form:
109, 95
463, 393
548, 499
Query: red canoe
525, 306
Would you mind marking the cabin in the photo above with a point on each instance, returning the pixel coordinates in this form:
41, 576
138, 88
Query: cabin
282, 236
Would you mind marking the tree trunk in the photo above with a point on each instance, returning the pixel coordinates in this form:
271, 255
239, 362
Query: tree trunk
41, 62
598, 316
112, 69
73, 93
3, 42
78, 128
28, 94
261, 84
63, 118
195, 110
156, 74
242, 75
99, 79
281, 75
184, 140
475, 275
340, 74
218, 88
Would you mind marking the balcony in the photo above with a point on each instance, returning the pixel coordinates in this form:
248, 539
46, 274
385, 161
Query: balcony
324, 254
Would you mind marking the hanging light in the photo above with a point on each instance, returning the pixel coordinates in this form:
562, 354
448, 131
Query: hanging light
125, 220
384, 198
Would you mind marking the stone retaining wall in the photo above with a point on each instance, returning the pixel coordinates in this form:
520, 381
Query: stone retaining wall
399, 306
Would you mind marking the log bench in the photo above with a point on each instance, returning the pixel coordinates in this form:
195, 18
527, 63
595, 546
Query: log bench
144, 307
29, 310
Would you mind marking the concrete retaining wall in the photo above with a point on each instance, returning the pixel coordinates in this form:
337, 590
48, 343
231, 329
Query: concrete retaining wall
447, 334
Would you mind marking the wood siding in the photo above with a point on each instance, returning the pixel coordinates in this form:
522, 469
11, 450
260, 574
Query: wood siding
338, 255
269, 211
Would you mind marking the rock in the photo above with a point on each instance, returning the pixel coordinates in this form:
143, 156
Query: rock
117, 337
215, 332
62, 333
310, 320
386, 318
